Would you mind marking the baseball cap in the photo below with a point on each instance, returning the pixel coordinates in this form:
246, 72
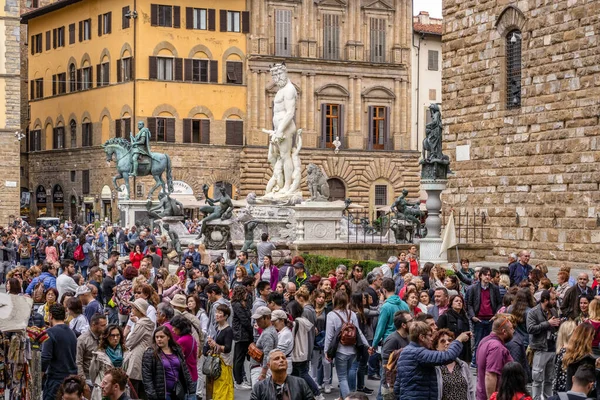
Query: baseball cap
83, 289
278, 314
261, 312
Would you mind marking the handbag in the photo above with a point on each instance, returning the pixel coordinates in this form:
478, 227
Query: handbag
212, 366
256, 353
179, 391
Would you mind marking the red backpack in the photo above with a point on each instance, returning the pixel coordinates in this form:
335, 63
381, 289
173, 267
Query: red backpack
348, 331
79, 255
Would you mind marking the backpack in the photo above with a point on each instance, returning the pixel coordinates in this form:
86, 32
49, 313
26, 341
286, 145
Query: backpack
347, 334
390, 368
40, 247
286, 277
24, 252
38, 291
78, 254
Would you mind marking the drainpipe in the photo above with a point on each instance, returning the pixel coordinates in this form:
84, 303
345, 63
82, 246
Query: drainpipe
418, 47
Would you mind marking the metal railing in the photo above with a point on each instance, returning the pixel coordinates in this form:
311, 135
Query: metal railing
470, 226
359, 227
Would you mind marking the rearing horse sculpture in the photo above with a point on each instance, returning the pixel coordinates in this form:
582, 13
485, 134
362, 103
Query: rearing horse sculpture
158, 164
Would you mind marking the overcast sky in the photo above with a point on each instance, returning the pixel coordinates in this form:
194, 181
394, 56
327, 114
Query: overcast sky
433, 6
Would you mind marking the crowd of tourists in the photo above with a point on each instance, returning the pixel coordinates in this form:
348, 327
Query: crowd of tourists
134, 326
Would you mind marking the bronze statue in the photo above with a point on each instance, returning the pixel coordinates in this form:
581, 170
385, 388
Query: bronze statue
140, 145
407, 211
435, 163
175, 243
249, 228
167, 207
218, 209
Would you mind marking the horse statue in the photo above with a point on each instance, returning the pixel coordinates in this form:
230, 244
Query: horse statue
155, 166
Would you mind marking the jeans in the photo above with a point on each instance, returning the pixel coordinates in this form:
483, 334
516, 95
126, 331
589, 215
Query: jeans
356, 376
374, 363
26, 262
481, 329
50, 388
240, 352
343, 363
112, 314
300, 369
320, 368
543, 374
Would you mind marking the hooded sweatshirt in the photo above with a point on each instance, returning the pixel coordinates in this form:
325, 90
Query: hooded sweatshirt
385, 324
302, 350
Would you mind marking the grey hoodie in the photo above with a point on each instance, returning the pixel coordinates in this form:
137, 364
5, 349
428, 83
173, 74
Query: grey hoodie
302, 346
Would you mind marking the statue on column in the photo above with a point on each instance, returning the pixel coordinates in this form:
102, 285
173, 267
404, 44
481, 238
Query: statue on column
285, 141
435, 165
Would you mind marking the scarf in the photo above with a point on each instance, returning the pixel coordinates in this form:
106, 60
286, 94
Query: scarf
115, 355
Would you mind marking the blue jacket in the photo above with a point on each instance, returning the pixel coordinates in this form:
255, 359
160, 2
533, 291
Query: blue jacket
385, 324
196, 258
518, 272
46, 277
416, 378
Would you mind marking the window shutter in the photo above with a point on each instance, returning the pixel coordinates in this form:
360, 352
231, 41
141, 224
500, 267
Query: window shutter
31, 135
212, 19
91, 76
176, 17
238, 70
117, 128
31, 89
229, 132
179, 69
238, 130
79, 79
106, 77
342, 125
323, 143
98, 75
223, 20
119, 76
127, 127
189, 18
170, 122
55, 138
109, 23
188, 69
53, 85
245, 22
152, 127
47, 41
387, 139
214, 71
205, 131
42, 88
71, 33
54, 37
99, 25
187, 130
370, 122
85, 181
32, 45
131, 68
81, 31
125, 20
153, 68
154, 15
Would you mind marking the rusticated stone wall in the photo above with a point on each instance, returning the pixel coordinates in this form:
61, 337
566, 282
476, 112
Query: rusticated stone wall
533, 170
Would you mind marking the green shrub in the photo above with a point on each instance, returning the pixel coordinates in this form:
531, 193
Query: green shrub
320, 265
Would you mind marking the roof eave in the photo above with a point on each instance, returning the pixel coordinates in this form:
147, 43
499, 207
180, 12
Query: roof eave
38, 12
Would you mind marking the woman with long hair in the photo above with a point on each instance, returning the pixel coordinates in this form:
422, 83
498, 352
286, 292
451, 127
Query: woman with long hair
51, 252
327, 288
453, 285
454, 380
221, 344
560, 378
524, 302
110, 354
457, 322
579, 352
269, 272
24, 251
50, 297
425, 274
164, 368
230, 258
583, 313
345, 355
412, 299
136, 256
320, 366
137, 342
242, 332
238, 278
594, 320
513, 383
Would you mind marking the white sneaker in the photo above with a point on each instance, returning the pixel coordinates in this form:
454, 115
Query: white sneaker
320, 397
243, 386
327, 388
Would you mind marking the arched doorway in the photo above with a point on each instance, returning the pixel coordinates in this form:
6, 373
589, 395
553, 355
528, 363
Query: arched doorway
337, 189
228, 189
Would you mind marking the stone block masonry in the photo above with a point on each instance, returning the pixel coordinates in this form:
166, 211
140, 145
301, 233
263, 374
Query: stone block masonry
533, 170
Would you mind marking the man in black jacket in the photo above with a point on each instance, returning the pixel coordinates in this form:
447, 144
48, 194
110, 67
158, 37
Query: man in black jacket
483, 302
280, 383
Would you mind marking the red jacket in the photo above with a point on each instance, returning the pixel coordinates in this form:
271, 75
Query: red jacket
414, 267
135, 259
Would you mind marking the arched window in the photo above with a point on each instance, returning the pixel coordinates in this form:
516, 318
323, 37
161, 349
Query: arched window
228, 189
73, 130
72, 78
337, 190
513, 69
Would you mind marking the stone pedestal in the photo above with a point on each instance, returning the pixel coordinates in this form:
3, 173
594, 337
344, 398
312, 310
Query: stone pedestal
134, 212
430, 246
319, 222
